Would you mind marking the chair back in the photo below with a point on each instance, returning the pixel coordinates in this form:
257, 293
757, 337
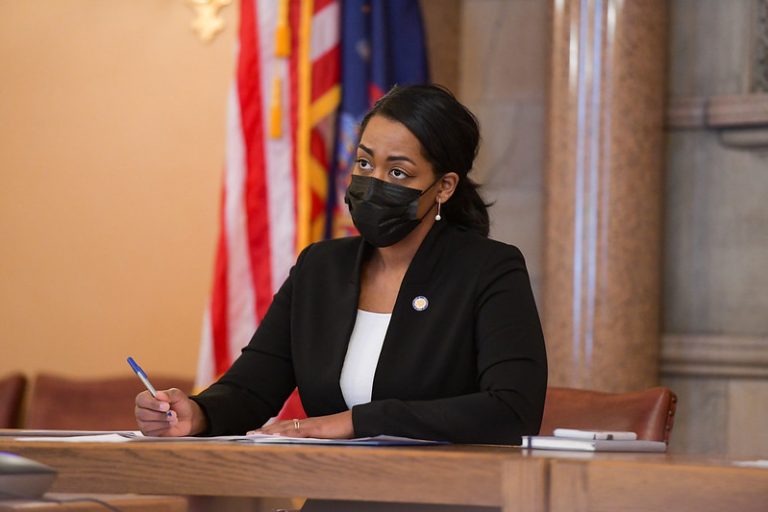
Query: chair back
649, 413
93, 404
11, 394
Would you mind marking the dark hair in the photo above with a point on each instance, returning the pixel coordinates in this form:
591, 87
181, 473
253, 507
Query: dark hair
449, 135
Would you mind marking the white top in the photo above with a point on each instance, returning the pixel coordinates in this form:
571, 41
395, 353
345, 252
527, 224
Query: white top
363, 356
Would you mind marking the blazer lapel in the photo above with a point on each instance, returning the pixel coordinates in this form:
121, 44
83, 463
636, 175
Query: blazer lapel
416, 283
425, 261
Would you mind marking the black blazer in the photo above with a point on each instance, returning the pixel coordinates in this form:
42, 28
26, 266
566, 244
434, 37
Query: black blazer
470, 368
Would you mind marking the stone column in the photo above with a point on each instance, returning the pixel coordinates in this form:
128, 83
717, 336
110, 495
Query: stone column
604, 186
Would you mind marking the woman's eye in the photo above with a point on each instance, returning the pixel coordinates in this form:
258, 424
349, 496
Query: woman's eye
398, 174
364, 164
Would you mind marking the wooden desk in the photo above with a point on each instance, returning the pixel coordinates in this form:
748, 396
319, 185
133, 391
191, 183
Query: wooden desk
509, 478
466, 475
635, 484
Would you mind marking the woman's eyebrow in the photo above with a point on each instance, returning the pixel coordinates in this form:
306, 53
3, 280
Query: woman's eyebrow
390, 158
395, 158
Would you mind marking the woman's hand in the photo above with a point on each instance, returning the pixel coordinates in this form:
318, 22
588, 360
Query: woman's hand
171, 414
333, 426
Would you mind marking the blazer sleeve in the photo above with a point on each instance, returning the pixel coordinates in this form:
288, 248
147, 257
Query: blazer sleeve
511, 368
260, 380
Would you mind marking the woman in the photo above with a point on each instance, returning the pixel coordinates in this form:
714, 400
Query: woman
422, 327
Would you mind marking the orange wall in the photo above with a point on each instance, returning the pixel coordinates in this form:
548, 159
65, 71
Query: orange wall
112, 127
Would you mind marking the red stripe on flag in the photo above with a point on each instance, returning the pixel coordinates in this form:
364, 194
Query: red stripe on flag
320, 5
317, 150
292, 408
257, 213
374, 93
219, 303
325, 72
294, 20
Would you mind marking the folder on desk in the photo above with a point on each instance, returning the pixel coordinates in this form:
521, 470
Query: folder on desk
381, 440
591, 445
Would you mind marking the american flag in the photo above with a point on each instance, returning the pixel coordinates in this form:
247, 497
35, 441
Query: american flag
281, 131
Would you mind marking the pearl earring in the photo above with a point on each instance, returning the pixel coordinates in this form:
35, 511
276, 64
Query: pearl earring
438, 217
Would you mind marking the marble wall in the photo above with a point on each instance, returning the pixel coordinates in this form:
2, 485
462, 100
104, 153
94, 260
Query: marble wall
715, 351
503, 64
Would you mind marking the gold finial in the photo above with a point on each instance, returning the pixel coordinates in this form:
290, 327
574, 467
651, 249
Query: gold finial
208, 22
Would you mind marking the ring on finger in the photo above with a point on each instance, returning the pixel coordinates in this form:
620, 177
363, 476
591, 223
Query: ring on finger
296, 424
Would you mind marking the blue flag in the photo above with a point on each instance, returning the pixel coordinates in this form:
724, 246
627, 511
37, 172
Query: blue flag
382, 44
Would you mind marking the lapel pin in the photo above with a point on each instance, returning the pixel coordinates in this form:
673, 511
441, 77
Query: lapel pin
420, 303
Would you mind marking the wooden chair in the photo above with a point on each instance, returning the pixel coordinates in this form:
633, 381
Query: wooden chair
94, 404
649, 413
11, 394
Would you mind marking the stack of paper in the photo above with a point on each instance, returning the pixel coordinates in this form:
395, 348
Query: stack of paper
593, 441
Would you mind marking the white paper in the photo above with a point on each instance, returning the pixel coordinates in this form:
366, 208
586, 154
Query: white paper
139, 437
136, 436
55, 433
273, 439
100, 438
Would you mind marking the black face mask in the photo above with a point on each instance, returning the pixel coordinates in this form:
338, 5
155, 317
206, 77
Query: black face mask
384, 213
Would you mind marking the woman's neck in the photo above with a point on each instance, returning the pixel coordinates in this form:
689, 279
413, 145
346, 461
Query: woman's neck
399, 256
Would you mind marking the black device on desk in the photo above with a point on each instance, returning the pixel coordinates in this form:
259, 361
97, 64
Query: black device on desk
23, 478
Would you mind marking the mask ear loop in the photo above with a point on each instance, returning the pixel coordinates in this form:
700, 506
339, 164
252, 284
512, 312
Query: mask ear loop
437, 217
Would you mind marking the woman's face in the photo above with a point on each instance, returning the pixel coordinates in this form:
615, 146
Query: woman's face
388, 151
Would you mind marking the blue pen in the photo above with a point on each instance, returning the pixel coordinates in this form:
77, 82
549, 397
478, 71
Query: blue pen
144, 379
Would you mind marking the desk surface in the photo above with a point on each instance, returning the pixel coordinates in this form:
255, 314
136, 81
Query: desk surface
436, 474
507, 477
